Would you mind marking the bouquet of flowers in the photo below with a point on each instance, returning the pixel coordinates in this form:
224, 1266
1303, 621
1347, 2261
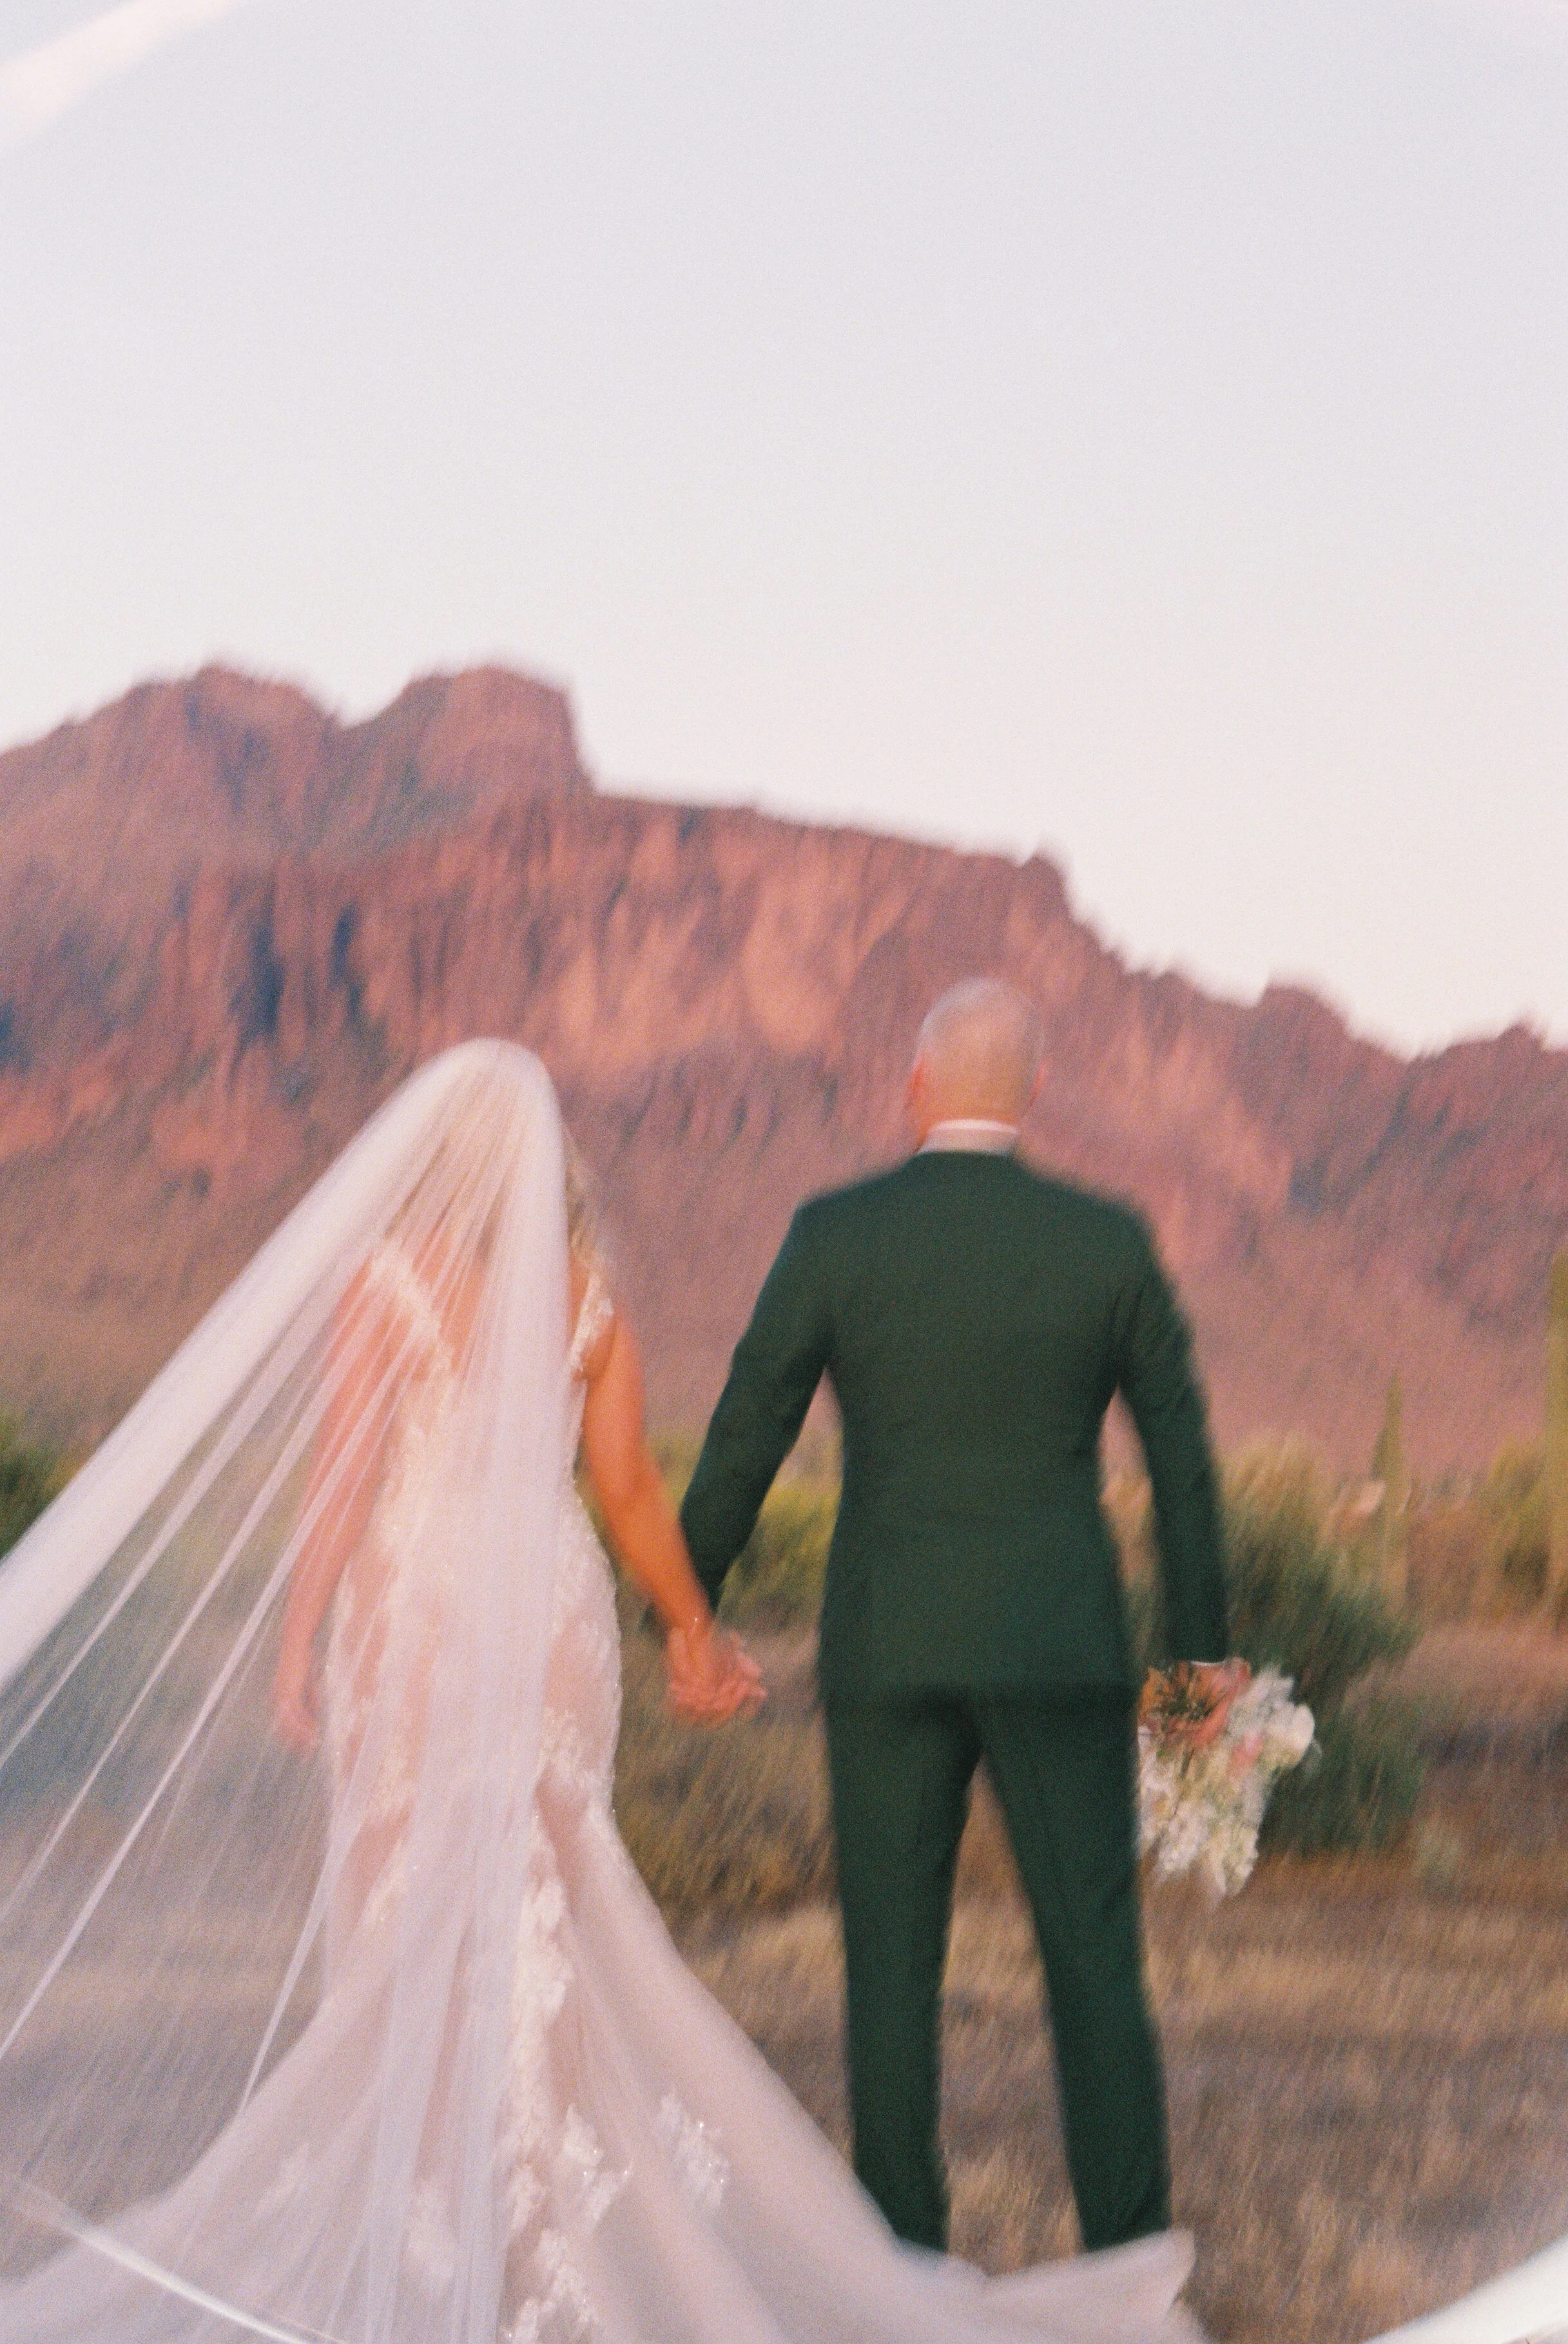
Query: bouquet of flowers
1210, 1749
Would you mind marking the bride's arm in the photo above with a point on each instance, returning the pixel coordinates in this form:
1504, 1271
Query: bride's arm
340, 1494
711, 1675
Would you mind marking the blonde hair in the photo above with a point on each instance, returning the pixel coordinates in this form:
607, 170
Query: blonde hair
584, 1226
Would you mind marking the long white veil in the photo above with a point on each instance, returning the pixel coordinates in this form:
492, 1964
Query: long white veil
263, 1997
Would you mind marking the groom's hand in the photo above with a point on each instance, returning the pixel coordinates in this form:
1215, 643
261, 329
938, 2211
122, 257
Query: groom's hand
1213, 1685
711, 1675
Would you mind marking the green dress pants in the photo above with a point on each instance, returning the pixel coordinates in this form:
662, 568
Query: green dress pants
1063, 1767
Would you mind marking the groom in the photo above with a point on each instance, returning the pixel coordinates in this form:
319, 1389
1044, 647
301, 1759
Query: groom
975, 1319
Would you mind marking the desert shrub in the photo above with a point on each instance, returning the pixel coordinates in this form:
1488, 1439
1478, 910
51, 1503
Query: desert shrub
1298, 1604
1358, 1790
30, 1475
778, 1578
1295, 1606
1512, 1503
1295, 1603
1449, 1560
735, 1818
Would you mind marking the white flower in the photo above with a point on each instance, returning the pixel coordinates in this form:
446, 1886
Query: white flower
1199, 1810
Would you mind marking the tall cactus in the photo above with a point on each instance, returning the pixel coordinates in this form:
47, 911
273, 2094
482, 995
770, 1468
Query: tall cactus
1557, 1439
1393, 1506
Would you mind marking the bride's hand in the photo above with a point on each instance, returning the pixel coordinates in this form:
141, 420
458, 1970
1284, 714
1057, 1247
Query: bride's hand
293, 1708
711, 1675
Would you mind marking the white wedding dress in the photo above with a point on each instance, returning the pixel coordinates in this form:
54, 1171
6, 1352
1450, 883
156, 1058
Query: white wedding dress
393, 2045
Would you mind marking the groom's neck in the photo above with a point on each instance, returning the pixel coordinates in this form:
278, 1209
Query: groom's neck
984, 1134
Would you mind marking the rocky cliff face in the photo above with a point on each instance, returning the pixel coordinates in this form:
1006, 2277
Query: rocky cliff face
229, 925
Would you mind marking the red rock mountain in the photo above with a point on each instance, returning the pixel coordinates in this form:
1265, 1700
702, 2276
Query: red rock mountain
230, 924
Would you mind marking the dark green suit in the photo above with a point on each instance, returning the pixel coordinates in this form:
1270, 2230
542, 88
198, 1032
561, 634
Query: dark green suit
976, 1320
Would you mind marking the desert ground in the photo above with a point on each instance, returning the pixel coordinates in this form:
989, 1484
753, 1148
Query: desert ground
1367, 2058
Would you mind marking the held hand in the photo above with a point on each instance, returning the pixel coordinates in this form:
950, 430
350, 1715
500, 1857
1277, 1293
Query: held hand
294, 1704
741, 1693
694, 1661
713, 1677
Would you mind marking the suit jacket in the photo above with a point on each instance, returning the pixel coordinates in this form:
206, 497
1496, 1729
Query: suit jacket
975, 1319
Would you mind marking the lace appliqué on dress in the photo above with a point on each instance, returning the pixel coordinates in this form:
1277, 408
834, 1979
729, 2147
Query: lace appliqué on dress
696, 2151
558, 2181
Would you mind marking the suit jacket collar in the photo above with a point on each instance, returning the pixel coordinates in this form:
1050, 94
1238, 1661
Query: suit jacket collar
969, 1135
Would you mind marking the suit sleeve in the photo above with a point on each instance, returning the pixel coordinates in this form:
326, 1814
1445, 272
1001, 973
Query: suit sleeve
1157, 1381
777, 1366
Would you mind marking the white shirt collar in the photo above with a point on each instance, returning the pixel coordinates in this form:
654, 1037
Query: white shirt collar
977, 1134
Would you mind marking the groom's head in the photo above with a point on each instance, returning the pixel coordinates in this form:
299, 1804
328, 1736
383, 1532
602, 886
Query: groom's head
978, 1056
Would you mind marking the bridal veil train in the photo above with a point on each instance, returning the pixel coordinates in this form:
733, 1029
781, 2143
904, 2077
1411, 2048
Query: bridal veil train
387, 2041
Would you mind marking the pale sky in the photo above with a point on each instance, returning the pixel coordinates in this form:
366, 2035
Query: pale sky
1137, 431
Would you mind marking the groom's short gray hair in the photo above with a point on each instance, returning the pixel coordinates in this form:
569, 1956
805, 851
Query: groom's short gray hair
981, 1045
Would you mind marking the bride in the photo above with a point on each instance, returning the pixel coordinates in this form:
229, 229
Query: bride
330, 2003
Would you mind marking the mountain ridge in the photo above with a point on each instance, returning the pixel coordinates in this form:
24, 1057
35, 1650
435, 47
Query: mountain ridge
230, 923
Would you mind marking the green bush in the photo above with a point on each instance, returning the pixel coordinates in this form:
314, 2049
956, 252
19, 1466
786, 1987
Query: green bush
1294, 1602
777, 1580
1298, 1604
1295, 1606
778, 1577
1357, 1789
30, 1476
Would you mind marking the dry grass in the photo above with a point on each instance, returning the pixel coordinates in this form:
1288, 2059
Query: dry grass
1367, 2058
1369, 2087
